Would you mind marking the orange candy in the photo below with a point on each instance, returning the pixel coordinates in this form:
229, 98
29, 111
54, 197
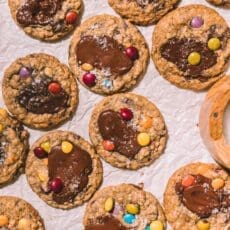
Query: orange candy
108, 145
188, 181
147, 122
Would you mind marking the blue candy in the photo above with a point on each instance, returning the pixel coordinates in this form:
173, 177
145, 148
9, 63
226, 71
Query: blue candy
129, 218
147, 227
107, 83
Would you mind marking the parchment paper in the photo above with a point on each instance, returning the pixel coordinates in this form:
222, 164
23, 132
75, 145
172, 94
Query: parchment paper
180, 109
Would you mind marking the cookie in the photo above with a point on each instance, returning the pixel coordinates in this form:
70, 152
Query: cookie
197, 198
222, 3
16, 213
142, 12
45, 19
124, 206
13, 147
40, 91
191, 47
108, 54
128, 131
63, 169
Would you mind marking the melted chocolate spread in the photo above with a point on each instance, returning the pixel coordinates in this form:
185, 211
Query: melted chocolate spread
103, 52
201, 198
38, 12
112, 127
73, 169
177, 51
37, 99
106, 223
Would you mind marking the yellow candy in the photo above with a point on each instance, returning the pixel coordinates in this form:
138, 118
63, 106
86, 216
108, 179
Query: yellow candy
109, 204
214, 44
3, 113
133, 208
4, 221
66, 147
86, 67
156, 225
46, 146
42, 177
147, 123
1, 128
143, 139
194, 58
24, 224
203, 225
218, 183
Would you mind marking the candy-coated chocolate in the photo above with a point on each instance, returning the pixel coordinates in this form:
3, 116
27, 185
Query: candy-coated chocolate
40, 152
71, 17
147, 122
4, 220
87, 67
46, 146
143, 139
156, 225
24, 72
129, 218
203, 225
132, 52
218, 183
147, 227
42, 177
54, 88
66, 147
188, 181
3, 113
107, 83
194, 58
89, 79
56, 185
24, 224
126, 114
214, 44
108, 145
109, 204
133, 208
197, 22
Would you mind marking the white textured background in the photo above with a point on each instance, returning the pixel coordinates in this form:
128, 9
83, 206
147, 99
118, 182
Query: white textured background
180, 109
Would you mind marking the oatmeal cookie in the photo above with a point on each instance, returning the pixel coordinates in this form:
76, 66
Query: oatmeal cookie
13, 147
142, 12
40, 91
222, 3
46, 20
128, 131
191, 47
197, 197
63, 169
124, 206
108, 54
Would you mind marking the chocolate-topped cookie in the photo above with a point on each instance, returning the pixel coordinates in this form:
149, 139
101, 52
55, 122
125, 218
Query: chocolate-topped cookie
222, 3
63, 169
142, 12
128, 131
16, 213
108, 54
124, 207
13, 147
191, 47
198, 197
40, 91
46, 20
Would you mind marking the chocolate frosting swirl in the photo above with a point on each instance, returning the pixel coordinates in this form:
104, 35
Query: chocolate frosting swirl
38, 12
177, 50
36, 98
103, 53
73, 169
106, 223
112, 127
200, 198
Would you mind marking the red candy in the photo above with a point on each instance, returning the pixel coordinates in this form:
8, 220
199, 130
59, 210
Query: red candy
56, 185
108, 145
40, 152
132, 52
126, 114
89, 79
188, 181
54, 88
71, 17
